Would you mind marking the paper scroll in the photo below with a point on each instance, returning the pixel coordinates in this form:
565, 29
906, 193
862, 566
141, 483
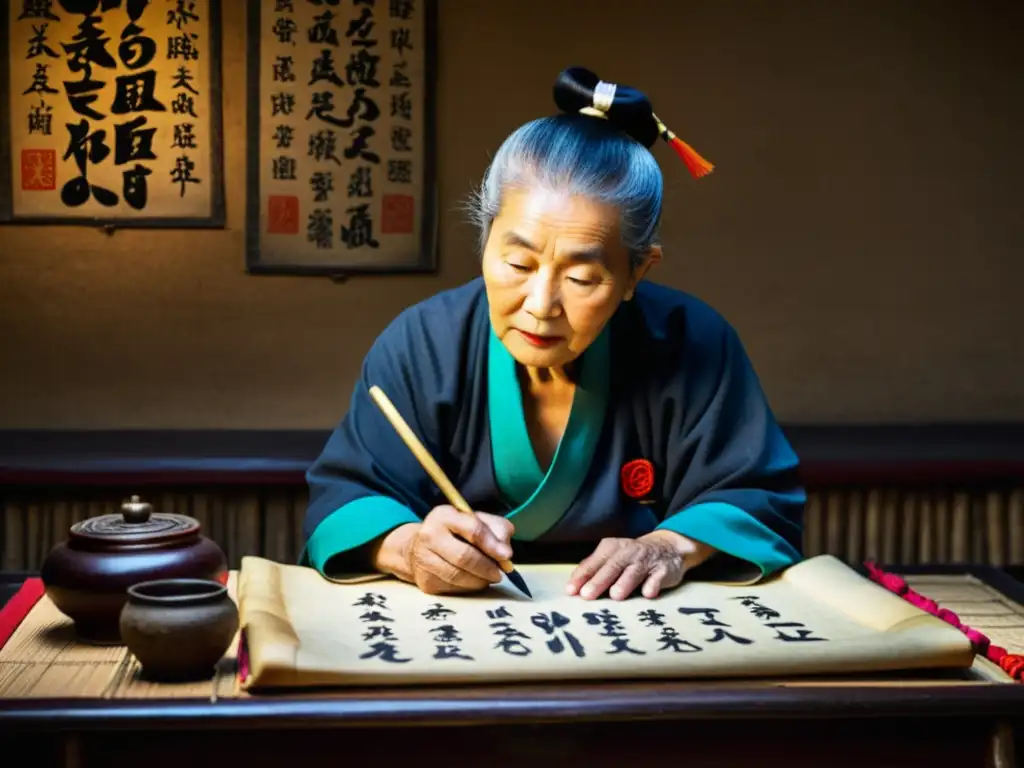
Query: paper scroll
113, 113
340, 136
818, 617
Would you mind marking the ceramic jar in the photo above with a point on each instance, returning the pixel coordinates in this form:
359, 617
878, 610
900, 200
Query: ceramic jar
87, 577
178, 629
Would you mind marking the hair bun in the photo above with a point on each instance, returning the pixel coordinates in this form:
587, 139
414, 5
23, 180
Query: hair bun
630, 111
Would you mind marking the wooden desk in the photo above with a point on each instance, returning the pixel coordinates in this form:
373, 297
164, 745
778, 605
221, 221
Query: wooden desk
894, 720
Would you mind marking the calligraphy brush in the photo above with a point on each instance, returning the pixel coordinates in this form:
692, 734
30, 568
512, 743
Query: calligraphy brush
436, 473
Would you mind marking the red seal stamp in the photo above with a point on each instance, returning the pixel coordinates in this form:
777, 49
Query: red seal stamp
637, 478
283, 215
398, 214
38, 169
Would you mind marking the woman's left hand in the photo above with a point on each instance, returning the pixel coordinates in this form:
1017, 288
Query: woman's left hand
656, 560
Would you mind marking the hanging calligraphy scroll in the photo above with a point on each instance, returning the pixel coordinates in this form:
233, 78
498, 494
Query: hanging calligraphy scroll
111, 113
340, 149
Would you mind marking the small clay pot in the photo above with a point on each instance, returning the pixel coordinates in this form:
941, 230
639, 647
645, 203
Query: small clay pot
178, 629
87, 577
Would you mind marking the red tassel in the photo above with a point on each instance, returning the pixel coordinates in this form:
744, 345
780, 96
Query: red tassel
1013, 665
699, 167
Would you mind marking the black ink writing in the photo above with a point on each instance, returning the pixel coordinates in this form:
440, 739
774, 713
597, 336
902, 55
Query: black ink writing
671, 641
37, 9
756, 608
184, 136
401, 39
88, 48
362, 106
401, 9
136, 93
37, 44
359, 230
401, 137
284, 69
322, 33
448, 643
651, 618
360, 183
401, 106
323, 145
359, 30
133, 142
40, 82
710, 620
379, 630
285, 29
385, 651
40, 119
611, 627
510, 639
283, 168
400, 171
183, 46
360, 147
398, 77
323, 69
184, 12
182, 172
437, 612
283, 136
554, 626
320, 228
769, 616
803, 635
282, 104
372, 600
86, 147
184, 102
362, 69
321, 184
385, 647
668, 636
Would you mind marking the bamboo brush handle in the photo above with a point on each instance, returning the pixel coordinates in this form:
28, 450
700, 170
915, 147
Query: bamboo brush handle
425, 459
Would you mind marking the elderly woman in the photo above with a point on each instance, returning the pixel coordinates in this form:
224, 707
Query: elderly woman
588, 415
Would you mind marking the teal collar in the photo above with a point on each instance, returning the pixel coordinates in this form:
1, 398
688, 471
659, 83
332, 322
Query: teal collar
541, 499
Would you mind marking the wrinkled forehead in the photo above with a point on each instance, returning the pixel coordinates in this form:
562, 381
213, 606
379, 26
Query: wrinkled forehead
546, 218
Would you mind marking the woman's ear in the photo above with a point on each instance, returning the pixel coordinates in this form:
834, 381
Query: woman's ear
653, 257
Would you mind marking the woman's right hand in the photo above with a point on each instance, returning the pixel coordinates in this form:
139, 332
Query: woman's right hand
449, 552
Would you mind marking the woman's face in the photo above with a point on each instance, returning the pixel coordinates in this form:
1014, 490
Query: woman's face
555, 270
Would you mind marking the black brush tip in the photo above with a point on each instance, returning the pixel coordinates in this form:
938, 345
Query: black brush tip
518, 580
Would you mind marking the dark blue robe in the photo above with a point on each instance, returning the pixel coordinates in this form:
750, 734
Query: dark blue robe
666, 384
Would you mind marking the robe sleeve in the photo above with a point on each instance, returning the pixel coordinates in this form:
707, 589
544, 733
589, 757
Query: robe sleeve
732, 477
366, 482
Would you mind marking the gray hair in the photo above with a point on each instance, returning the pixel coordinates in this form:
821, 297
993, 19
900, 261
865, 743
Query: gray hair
578, 155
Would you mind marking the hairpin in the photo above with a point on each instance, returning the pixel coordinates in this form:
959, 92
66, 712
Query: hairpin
601, 102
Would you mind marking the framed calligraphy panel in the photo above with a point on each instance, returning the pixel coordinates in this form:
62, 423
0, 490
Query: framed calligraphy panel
341, 175
110, 113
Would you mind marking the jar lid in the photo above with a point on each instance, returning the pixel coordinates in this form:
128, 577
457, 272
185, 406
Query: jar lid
136, 525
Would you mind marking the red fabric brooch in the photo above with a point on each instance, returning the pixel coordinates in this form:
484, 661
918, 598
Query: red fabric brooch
637, 478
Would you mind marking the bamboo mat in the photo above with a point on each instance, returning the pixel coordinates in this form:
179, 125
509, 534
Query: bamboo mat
43, 660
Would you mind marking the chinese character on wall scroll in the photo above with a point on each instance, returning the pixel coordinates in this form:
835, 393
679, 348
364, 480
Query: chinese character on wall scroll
340, 148
111, 113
